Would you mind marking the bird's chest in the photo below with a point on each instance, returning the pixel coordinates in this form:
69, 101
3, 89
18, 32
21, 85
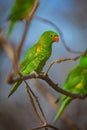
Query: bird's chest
43, 52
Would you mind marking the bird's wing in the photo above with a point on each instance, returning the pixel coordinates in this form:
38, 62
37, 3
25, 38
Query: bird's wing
35, 65
28, 58
20, 9
73, 78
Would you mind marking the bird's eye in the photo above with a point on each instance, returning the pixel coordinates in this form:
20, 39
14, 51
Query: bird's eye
51, 35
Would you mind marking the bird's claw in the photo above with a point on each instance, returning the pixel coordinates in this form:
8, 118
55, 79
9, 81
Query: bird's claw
35, 73
45, 74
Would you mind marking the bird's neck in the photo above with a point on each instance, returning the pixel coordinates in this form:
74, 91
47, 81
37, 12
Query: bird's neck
41, 47
45, 44
44, 48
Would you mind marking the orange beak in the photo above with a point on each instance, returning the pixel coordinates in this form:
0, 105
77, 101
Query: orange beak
56, 39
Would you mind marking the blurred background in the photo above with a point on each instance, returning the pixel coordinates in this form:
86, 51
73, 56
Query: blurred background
16, 113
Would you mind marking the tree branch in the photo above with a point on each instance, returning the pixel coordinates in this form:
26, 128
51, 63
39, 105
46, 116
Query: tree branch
10, 51
27, 88
46, 126
7, 47
59, 61
51, 84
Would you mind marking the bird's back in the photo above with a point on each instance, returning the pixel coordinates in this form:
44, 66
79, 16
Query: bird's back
76, 80
21, 9
28, 57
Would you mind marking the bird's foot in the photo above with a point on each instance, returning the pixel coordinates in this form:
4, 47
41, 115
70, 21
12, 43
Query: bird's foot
45, 74
35, 73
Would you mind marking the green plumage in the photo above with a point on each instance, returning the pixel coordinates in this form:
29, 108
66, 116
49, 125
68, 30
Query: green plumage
20, 10
76, 83
36, 57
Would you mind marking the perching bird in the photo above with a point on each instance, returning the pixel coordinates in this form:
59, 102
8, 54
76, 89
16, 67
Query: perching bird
36, 57
76, 83
20, 10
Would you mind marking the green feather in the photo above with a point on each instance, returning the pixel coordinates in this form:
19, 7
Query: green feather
61, 109
14, 88
19, 11
10, 29
36, 57
76, 83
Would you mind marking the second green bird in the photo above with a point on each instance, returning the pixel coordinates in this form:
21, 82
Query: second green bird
36, 57
20, 10
76, 83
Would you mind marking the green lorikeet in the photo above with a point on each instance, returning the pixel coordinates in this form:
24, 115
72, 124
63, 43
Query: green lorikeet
36, 57
76, 83
20, 10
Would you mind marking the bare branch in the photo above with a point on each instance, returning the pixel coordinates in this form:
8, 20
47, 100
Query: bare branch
7, 47
10, 51
46, 126
61, 60
27, 88
38, 103
51, 84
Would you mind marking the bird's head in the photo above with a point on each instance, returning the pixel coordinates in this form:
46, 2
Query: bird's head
49, 37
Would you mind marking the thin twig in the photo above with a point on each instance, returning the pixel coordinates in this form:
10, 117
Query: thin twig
10, 51
46, 126
59, 31
38, 103
44, 91
7, 47
22, 40
32, 102
29, 92
39, 106
59, 61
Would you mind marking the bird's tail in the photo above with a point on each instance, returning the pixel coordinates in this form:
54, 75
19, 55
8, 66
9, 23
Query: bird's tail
11, 26
66, 101
14, 88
